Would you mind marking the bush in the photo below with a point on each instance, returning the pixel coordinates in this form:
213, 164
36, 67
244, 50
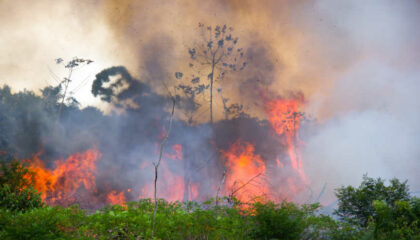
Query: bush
173, 221
16, 191
400, 221
274, 221
392, 214
21, 200
380, 211
41, 223
355, 205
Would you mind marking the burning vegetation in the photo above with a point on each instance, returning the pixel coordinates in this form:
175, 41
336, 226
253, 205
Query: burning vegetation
253, 170
83, 156
175, 125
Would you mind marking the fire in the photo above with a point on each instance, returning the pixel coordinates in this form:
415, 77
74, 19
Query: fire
169, 186
245, 171
177, 153
61, 184
193, 190
74, 178
285, 118
114, 198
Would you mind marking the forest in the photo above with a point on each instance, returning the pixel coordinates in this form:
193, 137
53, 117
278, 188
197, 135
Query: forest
70, 205
213, 150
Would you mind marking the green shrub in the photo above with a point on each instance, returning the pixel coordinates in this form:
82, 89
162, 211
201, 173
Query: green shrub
173, 221
401, 221
16, 191
355, 204
23, 216
41, 223
21, 200
280, 221
325, 227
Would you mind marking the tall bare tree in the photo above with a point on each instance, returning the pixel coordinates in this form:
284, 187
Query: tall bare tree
156, 165
71, 65
212, 57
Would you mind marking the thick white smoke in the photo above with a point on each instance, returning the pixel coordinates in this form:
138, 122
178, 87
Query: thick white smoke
370, 113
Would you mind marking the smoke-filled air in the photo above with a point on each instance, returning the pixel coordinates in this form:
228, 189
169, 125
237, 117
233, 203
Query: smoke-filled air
115, 101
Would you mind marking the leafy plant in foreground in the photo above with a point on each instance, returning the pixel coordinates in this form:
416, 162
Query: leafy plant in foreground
16, 190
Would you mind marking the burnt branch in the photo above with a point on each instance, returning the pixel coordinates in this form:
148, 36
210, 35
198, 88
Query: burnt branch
162, 144
248, 182
220, 186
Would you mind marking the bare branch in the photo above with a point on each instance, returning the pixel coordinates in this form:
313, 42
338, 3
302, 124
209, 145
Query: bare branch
233, 192
220, 186
162, 144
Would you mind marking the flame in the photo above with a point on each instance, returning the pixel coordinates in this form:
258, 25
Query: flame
169, 186
279, 163
193, 190
245, 171
62, 183
285, 118
114, 198
177, 153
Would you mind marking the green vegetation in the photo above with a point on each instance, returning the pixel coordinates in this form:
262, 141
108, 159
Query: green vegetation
371, 211
16, 191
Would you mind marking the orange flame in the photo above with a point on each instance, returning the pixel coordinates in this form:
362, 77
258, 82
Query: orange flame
78, 170
245, 171
285, 118
114, 198
170, 186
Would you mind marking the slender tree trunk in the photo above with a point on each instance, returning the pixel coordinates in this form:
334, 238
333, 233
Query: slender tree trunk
211, 89
66, 85
185, 164
186, 196
162, 144
220, 186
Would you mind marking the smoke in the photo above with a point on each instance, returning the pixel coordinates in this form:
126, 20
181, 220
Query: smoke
34, 33
356, 63
368, 113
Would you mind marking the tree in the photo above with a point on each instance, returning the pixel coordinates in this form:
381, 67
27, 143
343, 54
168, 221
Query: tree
399, 221
215, 55
355, 205
16, 187
71, 66
233, 110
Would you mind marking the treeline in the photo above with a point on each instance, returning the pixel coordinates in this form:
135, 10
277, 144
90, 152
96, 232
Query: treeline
33, 123
372, 210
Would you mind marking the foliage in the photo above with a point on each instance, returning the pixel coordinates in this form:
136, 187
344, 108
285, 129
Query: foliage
280, 221
173, 221
399, 221
106, 93
42, 223
212, 58
355, 205
16, 191
191, 220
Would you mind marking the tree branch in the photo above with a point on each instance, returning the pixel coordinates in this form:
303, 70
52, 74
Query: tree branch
162, 144
220, 186
233, 192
